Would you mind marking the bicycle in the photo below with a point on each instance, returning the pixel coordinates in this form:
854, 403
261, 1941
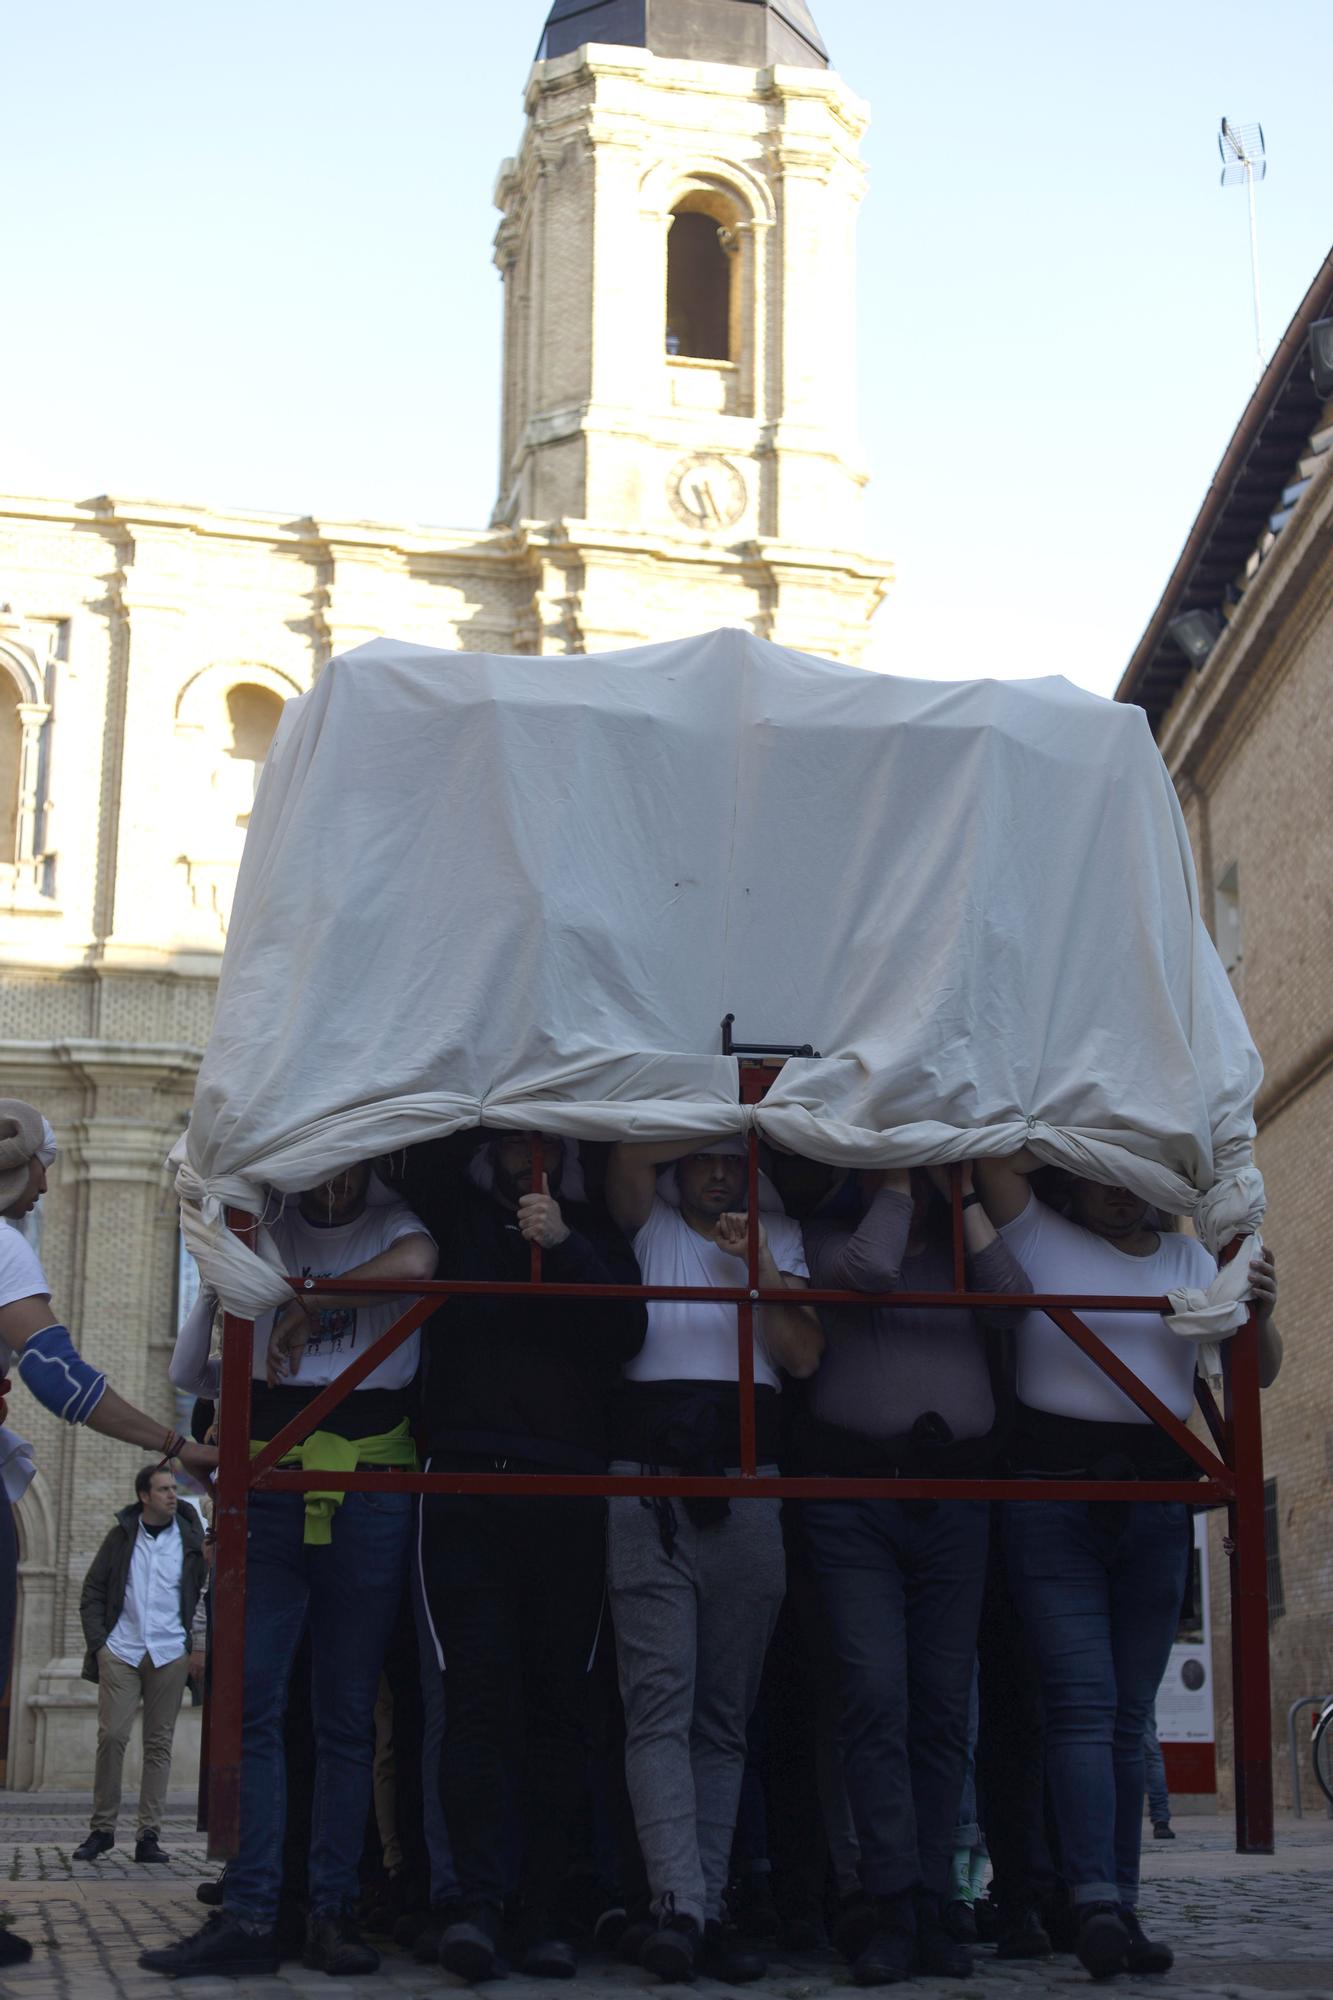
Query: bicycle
1321, 1750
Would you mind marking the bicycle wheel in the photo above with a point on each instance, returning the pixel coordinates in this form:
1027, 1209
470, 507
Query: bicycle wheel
1322, 1752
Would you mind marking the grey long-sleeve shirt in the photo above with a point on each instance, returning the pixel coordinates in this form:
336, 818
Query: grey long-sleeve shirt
884, 1366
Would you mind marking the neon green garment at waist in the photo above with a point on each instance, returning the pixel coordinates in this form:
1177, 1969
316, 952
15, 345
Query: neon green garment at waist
325, 1451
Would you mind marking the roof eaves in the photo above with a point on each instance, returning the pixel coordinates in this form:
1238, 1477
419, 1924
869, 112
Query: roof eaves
1255, 467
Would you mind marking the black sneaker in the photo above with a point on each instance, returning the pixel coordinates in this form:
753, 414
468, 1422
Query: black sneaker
937, 1954
290, 1928
1102, 1941
855, 1924
148, 1848
801, 1933
470, 1946
671, 1949
549, 1958
334, 1944
14, 1950
212, 1893
610, 1927
1144, 1954
723, 1955
224, 1945
1022, 1935
960, 1921
754, 1913
634, 1935
425, 1946
1162, 1829
887, 1960
94, 1846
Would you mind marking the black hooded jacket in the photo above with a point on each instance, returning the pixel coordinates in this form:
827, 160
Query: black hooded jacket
528, 1379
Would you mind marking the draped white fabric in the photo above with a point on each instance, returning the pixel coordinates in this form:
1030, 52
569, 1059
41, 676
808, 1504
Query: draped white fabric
524, 892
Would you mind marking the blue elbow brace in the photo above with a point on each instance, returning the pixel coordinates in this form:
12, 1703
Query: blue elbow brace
59, 1377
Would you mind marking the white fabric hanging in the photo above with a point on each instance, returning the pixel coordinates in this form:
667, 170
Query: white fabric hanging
524, 892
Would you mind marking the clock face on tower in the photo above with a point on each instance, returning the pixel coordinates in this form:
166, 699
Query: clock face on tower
707, 491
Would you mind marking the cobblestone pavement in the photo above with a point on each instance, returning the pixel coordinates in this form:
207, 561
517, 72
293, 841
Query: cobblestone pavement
1243, 1927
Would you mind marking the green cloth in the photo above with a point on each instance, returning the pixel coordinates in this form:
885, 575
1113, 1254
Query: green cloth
325, 1451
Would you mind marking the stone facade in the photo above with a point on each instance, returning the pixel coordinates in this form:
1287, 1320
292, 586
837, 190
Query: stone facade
146, 649
1249, 743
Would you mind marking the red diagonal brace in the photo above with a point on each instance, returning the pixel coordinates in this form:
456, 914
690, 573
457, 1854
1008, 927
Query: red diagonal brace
1138, 1392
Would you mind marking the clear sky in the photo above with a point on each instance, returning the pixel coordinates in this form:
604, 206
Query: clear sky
249, 264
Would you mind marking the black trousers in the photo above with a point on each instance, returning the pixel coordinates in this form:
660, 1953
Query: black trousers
1011, 1748
515, 1592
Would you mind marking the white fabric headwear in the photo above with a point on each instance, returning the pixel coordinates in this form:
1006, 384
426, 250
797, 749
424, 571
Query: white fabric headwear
23, 1135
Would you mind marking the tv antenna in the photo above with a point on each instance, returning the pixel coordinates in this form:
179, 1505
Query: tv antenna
1244, 159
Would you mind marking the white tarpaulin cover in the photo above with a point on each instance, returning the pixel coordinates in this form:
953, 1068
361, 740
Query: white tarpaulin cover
524, 892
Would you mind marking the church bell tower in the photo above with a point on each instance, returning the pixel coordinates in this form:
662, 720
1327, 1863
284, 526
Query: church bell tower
678, 438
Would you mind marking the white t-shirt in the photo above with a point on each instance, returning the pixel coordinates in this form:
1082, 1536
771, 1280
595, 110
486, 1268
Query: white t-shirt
347, 1329
1053, 1375
689, 1340
21, 1277
150, 1620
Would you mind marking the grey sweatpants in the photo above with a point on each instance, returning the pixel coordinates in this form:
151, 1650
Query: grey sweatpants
691, 1635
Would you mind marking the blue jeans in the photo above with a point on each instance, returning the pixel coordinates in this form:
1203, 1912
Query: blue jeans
349, 1592
1100, 1589
1154, 1769
902, 1585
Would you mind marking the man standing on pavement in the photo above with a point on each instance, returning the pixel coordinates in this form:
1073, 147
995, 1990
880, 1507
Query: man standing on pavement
695, 1588
138, 1611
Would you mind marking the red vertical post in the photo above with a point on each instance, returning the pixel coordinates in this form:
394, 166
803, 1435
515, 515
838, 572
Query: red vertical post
231, 1511
745, 1311
538, 1172
1250, 1691
956, 1207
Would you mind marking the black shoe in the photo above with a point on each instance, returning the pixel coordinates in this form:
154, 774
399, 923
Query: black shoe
94, 1846
890, 1952
425, 1946
802, 1934
549, 1958
986, 1917
1102, 1942
754, 1913
223, 1945
14, 1950
671, 1949
1144, 1953
334, 1944
1061, 1920
960, 1921
937, 1954
633, 1937
148, 1848
855, 1924
212, 1892
1162, 1829
290, 1928
610, 1928
470, 1946
1022, 1935
722, 1955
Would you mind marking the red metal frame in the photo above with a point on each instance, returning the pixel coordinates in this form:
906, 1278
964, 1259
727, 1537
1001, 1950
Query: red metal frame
1233, 1473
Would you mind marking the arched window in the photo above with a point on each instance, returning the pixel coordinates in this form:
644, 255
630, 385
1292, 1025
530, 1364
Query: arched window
701, 266
252, 716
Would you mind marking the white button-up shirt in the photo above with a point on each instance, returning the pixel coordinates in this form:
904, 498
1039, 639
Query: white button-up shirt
151, 1620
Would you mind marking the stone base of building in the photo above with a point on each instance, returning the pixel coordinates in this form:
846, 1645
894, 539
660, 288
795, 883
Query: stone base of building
65, 1711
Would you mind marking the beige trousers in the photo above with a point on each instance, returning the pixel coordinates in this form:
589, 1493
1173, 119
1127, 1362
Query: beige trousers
118, 1691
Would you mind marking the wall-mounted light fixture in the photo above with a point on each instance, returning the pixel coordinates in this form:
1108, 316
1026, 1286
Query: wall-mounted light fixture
1196, 633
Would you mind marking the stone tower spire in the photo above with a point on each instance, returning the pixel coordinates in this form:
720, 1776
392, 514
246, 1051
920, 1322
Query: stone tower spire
752, 32
678, 251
